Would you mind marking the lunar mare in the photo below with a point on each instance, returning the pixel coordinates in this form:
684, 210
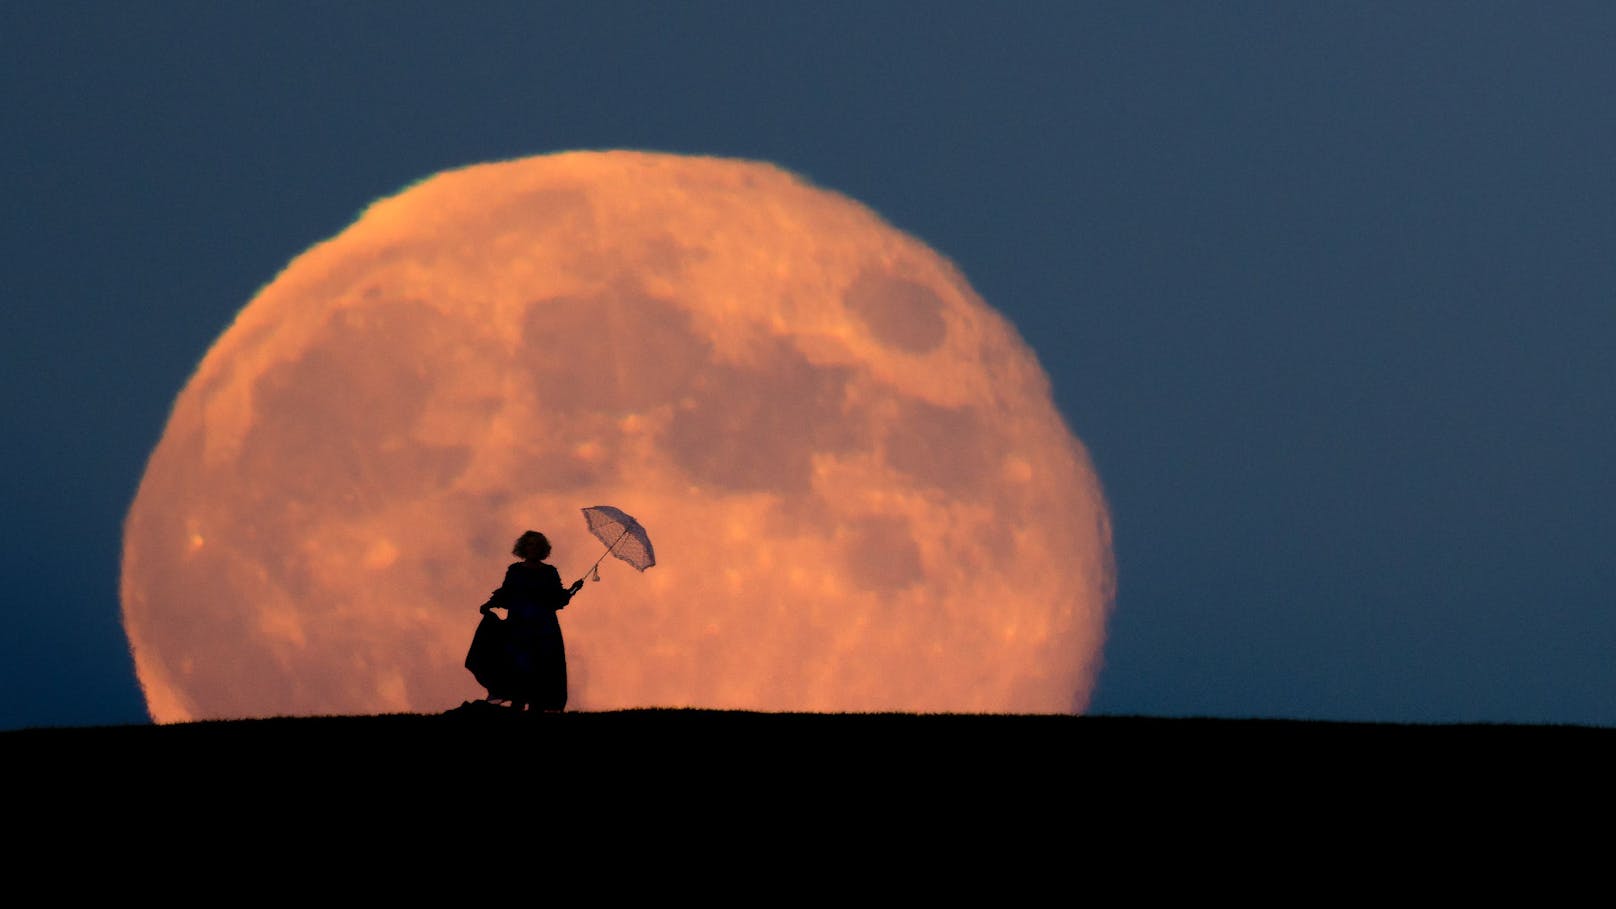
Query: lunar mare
860, 492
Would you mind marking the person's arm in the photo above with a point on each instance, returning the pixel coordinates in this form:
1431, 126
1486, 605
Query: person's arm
563, 595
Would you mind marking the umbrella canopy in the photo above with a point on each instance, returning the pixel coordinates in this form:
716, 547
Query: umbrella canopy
623, 536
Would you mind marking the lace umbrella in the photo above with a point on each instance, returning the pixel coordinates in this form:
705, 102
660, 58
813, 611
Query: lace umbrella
623, 536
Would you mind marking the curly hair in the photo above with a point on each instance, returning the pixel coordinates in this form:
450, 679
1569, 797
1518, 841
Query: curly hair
531, 545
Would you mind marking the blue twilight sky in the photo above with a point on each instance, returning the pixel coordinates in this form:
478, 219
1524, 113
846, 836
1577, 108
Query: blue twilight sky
1328, 289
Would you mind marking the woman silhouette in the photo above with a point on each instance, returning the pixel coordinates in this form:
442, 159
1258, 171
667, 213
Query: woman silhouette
531, 595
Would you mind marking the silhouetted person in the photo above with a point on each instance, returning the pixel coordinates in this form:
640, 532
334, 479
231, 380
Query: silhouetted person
525, 661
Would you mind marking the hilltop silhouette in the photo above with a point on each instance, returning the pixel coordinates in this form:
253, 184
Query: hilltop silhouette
727, 760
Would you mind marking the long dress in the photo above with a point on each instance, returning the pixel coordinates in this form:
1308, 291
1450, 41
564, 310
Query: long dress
531, 594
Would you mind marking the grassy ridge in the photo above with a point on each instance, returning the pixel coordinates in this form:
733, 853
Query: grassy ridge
630, 724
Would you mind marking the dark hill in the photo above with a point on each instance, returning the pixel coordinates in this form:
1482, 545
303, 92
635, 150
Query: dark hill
859, 777
701, 741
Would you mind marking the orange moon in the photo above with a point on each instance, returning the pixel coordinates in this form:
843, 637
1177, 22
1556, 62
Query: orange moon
861, 495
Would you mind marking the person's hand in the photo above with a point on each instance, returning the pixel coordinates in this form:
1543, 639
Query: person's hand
576, 586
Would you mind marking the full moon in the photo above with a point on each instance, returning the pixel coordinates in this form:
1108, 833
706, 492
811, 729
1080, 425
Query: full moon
860, 492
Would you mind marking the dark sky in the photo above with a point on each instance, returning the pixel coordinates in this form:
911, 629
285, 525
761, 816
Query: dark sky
1328, 290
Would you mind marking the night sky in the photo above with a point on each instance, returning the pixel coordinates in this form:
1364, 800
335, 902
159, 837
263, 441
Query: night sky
1328, 290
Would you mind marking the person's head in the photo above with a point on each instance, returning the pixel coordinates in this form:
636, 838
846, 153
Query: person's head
531, 547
